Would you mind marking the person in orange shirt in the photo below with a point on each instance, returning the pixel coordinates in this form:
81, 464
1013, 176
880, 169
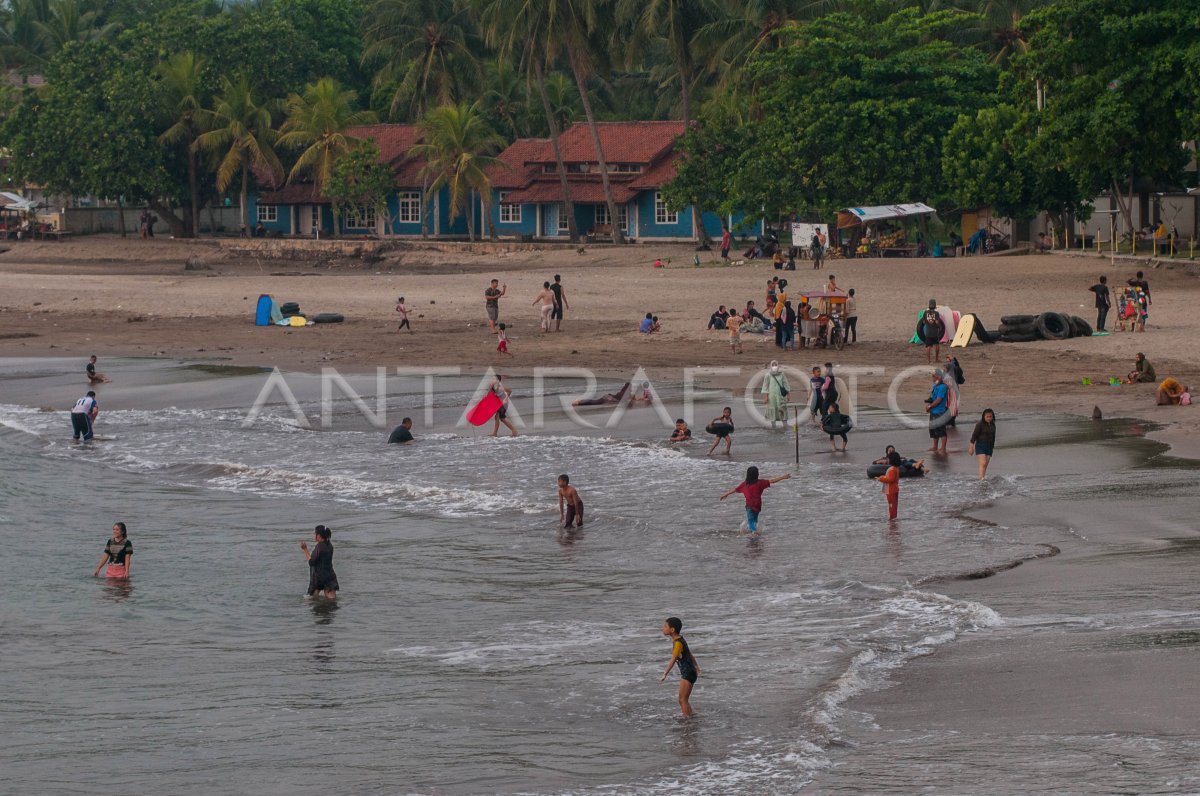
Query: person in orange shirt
891, 484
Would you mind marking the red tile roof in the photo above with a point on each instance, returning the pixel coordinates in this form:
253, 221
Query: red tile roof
589, 192
522, 163
623, 142
299, 193
392, 140
657, 175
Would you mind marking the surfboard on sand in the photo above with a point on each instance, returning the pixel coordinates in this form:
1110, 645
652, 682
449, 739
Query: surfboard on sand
483, 411
966, 326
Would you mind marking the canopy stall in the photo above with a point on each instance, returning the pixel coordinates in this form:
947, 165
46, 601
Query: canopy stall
860, 216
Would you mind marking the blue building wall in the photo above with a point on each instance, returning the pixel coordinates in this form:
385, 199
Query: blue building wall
648, 227
526, 226
282, 224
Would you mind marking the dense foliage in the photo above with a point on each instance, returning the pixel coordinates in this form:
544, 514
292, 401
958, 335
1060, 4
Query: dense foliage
800, 106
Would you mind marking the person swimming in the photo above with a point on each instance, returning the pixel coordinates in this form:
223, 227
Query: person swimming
906, 464
681, 433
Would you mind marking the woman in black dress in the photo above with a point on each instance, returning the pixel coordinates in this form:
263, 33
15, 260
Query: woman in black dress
321, 577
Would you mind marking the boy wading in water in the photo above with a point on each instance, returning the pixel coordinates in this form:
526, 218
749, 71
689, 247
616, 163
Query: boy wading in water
752, 488
689, 669
570, 505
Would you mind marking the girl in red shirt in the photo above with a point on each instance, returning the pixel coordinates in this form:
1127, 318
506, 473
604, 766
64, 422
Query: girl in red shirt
752, 488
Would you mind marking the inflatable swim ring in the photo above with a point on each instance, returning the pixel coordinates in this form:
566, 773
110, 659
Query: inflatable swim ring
840, 428
906, 470
719, 429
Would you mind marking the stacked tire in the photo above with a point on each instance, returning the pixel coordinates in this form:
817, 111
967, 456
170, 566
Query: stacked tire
1046, 326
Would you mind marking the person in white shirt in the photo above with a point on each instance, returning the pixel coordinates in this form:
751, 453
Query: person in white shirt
83, 415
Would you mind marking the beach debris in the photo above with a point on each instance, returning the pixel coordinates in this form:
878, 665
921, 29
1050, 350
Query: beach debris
1097, 414
195, 263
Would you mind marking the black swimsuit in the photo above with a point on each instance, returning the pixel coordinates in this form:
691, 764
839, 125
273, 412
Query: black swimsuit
687, 667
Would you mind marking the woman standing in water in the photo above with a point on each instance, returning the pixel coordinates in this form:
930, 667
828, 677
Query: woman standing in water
321, 577
118, 554
775, 393
983, 440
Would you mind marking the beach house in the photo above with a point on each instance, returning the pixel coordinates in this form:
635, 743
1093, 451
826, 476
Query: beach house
529, 202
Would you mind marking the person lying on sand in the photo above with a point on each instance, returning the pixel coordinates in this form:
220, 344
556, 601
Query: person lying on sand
610, 398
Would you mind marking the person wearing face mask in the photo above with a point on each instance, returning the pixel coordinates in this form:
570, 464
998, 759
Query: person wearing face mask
775, 391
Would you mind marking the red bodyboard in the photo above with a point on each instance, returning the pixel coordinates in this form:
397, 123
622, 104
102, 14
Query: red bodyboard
483, 411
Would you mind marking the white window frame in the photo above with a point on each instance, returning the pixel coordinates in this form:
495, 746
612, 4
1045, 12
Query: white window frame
563, 228
268, 213
408, 207
662, 215
362, 217
601, 216
509, 213
623, 217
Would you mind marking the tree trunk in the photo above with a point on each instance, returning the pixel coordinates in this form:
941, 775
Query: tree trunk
699, 233
568, 205
577, 70
174, 222
245, 211
1126, 210
120, 216
194, 194
425, 205
471, 216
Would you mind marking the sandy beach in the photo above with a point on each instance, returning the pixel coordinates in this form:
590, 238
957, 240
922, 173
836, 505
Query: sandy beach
133, 297
1006, 686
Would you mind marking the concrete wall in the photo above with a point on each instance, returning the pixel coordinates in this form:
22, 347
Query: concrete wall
87, 220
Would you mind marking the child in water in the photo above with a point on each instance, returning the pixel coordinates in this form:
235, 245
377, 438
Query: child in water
752, 488
118, 554
891, 484
689, 669
570, 505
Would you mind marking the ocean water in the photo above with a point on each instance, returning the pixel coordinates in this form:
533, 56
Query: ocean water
474, 648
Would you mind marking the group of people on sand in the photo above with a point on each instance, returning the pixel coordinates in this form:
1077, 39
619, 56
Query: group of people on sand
801, 326
1132, 303
551, 302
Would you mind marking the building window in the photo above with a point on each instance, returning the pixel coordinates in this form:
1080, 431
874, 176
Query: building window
563, 229
622, 216
360, 217
625, 168
661, 214
509, 213
409, 207
601, 215
268, 213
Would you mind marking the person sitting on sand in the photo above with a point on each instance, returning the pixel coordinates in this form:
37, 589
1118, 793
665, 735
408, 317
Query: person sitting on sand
610, 398
681, 433
655, 326
92, 375
643, 397
1172, 393
1143, 371
751, 313
718, 318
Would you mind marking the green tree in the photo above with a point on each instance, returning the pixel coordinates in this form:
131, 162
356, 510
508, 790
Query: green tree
426, 49
239, 131
522, 31
1117, 74
360, 181
90, 132
316, 126
457, 146
183, 105
854, 112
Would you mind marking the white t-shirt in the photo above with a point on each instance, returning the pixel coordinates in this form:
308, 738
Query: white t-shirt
84, 406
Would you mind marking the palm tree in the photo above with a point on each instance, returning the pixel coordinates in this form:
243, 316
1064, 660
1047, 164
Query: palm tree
20, 36
520, 30
457, 145
424, 48
239, 131
316, 123
72, 21
507, 97
677, 22
180, 76
1002, 18
740, 29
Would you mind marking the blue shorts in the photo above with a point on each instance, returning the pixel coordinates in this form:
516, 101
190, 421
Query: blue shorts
983, 449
